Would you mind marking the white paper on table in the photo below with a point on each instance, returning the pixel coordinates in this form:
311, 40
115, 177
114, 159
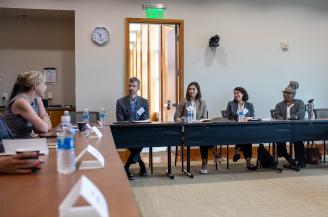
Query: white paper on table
91, 164
11, 145
89, 192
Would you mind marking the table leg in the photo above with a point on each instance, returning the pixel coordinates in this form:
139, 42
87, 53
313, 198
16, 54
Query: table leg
324, 151
169, 169
151, 160
187, 172
182, 160
227, 157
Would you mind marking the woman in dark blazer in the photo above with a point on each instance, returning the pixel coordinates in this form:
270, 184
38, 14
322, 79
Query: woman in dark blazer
240, 102
194, 99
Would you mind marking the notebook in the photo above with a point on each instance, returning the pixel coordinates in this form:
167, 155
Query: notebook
11, 145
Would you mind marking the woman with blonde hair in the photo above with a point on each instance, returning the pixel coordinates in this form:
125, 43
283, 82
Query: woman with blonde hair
25, 111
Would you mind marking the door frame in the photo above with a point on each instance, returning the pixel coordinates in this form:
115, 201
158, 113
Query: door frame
180, 23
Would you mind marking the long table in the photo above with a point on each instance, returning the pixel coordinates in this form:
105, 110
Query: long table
132, 135
201, 134
41, 193
216, 133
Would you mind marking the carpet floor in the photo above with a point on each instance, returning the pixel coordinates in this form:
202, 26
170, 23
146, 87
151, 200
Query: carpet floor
235, 192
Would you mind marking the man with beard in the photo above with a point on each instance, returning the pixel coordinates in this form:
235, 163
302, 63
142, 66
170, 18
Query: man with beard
133, 108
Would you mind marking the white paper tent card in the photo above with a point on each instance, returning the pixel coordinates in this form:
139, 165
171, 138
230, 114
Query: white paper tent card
99, 161
90, 193
94, 132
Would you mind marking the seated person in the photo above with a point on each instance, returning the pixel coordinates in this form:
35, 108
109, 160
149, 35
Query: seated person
18, 164
291, 108
25, 111
240, 102
133, 107
15, 164
194, 100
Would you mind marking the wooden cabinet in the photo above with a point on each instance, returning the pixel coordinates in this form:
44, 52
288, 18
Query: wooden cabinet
56, 113
55, 117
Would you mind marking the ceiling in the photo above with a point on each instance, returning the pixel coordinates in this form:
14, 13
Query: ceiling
36, 13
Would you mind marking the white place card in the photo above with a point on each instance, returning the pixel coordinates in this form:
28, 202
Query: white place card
94, 132
90, 193
91, 164
97, 132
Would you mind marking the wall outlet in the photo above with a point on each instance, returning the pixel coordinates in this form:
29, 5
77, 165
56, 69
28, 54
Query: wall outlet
50, 95
4, 95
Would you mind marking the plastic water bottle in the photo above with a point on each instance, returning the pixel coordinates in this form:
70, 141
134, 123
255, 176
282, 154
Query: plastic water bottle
65, 146
86, 116
189, 117
102, 115
241, 115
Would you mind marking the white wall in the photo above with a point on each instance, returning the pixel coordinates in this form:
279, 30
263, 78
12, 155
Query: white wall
34, 43
249, 54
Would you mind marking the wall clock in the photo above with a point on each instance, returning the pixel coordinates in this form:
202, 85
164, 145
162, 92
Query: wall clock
100, 35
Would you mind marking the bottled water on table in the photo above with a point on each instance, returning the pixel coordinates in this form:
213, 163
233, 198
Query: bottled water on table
102, 115
65, 146
86, 116
189, 117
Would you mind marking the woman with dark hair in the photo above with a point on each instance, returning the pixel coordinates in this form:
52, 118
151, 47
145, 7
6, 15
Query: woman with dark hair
291, 108
240, 103
25, 111
194, 102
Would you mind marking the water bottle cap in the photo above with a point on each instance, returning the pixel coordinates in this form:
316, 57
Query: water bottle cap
65, 118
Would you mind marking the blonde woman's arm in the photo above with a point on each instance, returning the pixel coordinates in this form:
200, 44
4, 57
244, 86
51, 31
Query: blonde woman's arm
43, 113
23, 108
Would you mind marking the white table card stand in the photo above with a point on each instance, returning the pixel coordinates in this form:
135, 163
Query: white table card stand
90, 193
94, 132
90, 164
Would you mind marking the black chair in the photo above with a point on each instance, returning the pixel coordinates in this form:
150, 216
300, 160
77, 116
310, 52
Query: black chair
5, 133
319, 114
223, 115
272, 116
290, 144
78, 116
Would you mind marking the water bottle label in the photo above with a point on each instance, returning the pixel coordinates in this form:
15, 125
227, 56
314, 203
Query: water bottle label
65, 143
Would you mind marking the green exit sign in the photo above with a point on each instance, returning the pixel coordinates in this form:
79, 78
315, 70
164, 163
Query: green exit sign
154, 13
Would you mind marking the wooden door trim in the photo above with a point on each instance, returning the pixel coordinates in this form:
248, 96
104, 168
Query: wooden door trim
129, 20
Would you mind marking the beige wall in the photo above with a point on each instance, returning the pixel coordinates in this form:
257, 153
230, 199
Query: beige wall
35, 43
249, 54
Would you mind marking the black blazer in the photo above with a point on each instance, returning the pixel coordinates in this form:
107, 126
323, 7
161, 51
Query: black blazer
123, 109
232, 107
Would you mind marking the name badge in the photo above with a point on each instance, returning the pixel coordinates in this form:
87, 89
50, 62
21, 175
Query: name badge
140, 111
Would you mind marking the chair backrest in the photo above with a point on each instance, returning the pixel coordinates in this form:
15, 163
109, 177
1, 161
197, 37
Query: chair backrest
321, 113
5, 133
272, 113
78, 116
223, 113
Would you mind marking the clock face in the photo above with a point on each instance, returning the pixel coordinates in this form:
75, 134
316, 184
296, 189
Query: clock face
100, 35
